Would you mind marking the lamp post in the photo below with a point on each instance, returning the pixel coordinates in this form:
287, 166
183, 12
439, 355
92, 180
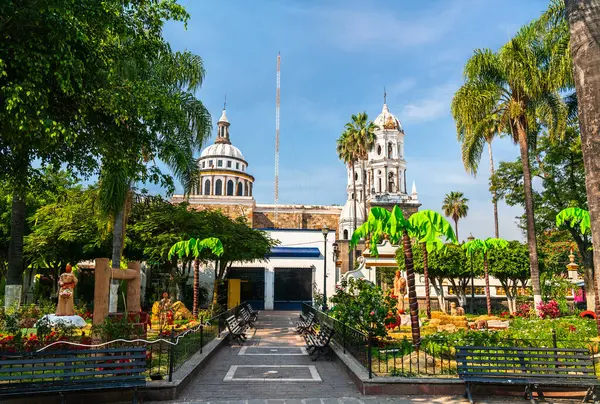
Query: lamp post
471, 238
336, 254
325, 231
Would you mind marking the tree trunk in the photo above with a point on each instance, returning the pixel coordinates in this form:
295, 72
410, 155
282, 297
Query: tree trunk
412, 293
584, 23
494, 194
364, 193
456, 228
529, 213
426, 276
351, 263
439, 290
196, 287
117, 248
14, 275
488, 299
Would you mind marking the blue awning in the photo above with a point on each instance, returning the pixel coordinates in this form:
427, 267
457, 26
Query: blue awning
294, 252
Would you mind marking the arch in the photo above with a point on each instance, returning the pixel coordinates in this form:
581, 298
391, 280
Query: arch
230, 187
379, 181
207, 187
245, 188
379, 150
346, 234
390, 152
250, 190
218, 187
240, 189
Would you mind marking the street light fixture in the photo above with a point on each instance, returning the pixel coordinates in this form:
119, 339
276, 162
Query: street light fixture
471, 238
336, 254
325, 231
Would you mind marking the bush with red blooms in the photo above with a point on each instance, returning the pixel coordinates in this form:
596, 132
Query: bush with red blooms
523, 310
548, 310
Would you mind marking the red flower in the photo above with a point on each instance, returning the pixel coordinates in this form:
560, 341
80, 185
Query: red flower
572, 328
372, 313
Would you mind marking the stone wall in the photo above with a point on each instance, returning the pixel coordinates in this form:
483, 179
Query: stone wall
302, 219
232, 211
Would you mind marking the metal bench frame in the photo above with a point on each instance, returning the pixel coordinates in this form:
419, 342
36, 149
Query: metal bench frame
529, 367
319, 342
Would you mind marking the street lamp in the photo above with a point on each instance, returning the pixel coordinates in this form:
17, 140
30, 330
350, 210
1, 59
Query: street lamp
325, 231
471, 238
336, 254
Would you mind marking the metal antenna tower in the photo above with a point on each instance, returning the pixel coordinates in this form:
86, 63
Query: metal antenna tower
277, 102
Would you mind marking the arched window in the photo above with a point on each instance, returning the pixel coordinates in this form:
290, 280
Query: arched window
250, 191
230, 187
379, 180
218, 187
379, 150
240, 190
207, 187
246, 188
346, 234
390, 150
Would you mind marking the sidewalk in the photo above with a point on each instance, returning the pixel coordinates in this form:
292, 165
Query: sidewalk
273, 368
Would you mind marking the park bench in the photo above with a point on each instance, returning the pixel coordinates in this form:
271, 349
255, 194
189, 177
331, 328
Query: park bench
236, 330
246, 318
305, 324
252, 312
318, 342
64, 371
529, 367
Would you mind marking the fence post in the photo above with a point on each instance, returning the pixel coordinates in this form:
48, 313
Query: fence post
201, 337
344, 337
171, 355
369, 359
554, 337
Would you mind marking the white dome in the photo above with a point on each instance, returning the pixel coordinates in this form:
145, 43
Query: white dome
222, 150
347, 214
386, 120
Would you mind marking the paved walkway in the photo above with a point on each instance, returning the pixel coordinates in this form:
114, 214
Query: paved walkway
273, 368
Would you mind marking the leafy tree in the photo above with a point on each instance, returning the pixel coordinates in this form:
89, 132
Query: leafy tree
429, 226
455, 206
558, 165
519, 84
510, 266
65, 70
476, 246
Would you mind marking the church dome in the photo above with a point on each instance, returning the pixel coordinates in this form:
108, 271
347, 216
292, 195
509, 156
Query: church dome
347, 214
386, 120
222, 150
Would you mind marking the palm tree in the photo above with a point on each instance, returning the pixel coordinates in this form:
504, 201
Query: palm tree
347, 152
473, 247
472, 144
193, 247
383, 223
183, 133
428, 227
517, 84
455, 206
363, 132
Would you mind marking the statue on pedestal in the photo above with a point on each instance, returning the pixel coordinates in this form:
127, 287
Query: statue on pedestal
399, 291
67, 282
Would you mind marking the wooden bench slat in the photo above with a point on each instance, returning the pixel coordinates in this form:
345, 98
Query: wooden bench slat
581, 362
523, 349
77, 376
492, 355
14, 369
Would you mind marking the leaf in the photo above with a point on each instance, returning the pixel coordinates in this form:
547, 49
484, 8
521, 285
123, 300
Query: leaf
574, 216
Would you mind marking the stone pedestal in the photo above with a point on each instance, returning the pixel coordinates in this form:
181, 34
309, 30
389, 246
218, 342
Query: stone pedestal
68, 321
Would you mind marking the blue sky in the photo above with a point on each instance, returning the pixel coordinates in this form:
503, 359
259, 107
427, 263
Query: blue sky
337, 56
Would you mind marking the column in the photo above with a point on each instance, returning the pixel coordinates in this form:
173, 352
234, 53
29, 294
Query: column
385, 178
269, 288
404, 180
398, 181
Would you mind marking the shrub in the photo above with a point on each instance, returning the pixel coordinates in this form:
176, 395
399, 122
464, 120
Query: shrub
548, 310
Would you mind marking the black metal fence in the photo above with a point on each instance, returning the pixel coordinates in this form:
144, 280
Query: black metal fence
436, 356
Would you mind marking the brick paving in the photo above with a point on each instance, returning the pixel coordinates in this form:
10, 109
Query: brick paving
272, 369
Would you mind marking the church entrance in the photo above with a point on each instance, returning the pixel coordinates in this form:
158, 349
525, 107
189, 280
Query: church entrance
293, 286
251, 286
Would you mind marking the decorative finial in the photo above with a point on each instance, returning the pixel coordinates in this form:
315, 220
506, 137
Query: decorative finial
384, 95
225, 102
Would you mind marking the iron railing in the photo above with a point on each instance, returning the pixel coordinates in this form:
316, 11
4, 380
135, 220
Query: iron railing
436, 355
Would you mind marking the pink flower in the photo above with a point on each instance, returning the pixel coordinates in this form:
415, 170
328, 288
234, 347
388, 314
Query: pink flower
372, 313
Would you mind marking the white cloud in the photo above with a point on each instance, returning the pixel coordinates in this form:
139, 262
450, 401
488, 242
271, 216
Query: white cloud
402, 86
433, 105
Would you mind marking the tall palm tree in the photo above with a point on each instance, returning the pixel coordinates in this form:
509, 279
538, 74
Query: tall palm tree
182, 133
472, 144
347, 152
517, 83
455, 206
363, 132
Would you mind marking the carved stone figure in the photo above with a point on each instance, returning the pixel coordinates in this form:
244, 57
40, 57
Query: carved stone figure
399, 291
66, 283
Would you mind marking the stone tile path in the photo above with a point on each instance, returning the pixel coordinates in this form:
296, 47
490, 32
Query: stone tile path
273, 368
